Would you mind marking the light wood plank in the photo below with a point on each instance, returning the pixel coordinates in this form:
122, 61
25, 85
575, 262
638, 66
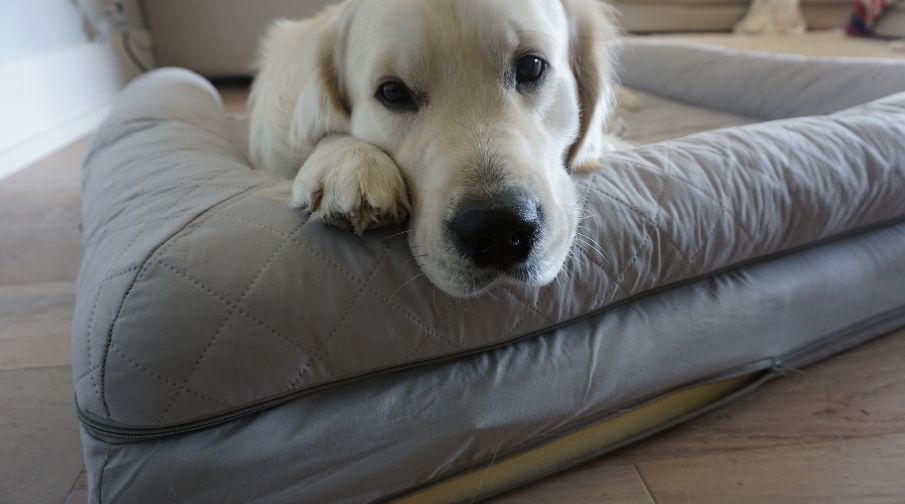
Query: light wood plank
58, 172
35, 351
79, 492
22, 305
39, 254
860, 393
40, 220
40, 207
865, 471
35, 322
40, 447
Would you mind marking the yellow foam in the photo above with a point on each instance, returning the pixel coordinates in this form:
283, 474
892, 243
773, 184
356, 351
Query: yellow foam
576, 446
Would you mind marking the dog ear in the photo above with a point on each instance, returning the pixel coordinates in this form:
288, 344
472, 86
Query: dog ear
297, 98
594, 40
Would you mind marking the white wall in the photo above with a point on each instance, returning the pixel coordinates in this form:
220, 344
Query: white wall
60, 69
31, 27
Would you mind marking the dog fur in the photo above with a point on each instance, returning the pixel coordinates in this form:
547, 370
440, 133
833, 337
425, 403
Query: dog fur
315, 118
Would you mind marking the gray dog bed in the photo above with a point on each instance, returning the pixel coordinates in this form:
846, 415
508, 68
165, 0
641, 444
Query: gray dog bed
226, 350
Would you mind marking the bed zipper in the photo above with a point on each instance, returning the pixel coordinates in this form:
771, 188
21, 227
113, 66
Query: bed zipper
792, 374
776, 366
114, 434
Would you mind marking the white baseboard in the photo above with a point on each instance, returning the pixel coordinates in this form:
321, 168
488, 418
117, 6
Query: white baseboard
53, 99
24, 154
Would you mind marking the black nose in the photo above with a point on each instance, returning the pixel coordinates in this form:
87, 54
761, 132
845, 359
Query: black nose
497, 234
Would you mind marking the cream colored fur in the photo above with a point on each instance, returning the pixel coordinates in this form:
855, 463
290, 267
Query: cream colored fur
315, 117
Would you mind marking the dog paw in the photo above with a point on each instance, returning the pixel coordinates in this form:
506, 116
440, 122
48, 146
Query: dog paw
348, 182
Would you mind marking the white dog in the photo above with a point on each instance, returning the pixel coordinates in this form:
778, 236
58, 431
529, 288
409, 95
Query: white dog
471, 116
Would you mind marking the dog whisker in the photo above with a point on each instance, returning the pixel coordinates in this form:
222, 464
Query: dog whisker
588, 253
465, 306
438, 309
589, 217
594, 245
567, 273
410, 280
583, 258
590, 240
378, 242
570, 275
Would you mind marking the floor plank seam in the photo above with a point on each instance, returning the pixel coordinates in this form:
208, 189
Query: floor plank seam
650, 495
74, 486
794, 442
33, 368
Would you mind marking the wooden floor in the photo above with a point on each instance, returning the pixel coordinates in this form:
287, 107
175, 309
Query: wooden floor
837, 436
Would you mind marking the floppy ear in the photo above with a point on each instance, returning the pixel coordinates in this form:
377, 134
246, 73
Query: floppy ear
594, 40
296, 99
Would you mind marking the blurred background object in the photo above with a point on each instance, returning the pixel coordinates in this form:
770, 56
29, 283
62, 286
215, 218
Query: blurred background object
657, 16
780, 17
62, 62
95, 47
218, 38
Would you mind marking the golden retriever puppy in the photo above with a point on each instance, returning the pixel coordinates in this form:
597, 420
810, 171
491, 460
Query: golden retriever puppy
469, 116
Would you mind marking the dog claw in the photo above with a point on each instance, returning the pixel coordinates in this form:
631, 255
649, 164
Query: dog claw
351, 184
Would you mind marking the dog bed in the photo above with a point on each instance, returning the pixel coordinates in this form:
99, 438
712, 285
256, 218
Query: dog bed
227, 350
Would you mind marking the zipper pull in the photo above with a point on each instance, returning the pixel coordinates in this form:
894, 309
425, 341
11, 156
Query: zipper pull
788, 372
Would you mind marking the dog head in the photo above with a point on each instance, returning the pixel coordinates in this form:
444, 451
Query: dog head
488, 108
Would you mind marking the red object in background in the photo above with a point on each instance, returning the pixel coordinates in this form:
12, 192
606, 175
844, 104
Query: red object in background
865, 16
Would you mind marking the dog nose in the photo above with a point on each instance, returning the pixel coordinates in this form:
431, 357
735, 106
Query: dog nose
496, 236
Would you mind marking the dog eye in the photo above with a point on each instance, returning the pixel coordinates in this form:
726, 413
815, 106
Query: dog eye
396, 96
529, 70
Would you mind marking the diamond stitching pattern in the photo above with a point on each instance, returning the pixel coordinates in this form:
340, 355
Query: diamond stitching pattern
241, 311
659, 178
172, 384
109, 277
229, 315
365, 284
652, 222
110, 332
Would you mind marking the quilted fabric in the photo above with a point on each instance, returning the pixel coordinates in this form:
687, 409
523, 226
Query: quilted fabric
201, 294
763, 86
389, 435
